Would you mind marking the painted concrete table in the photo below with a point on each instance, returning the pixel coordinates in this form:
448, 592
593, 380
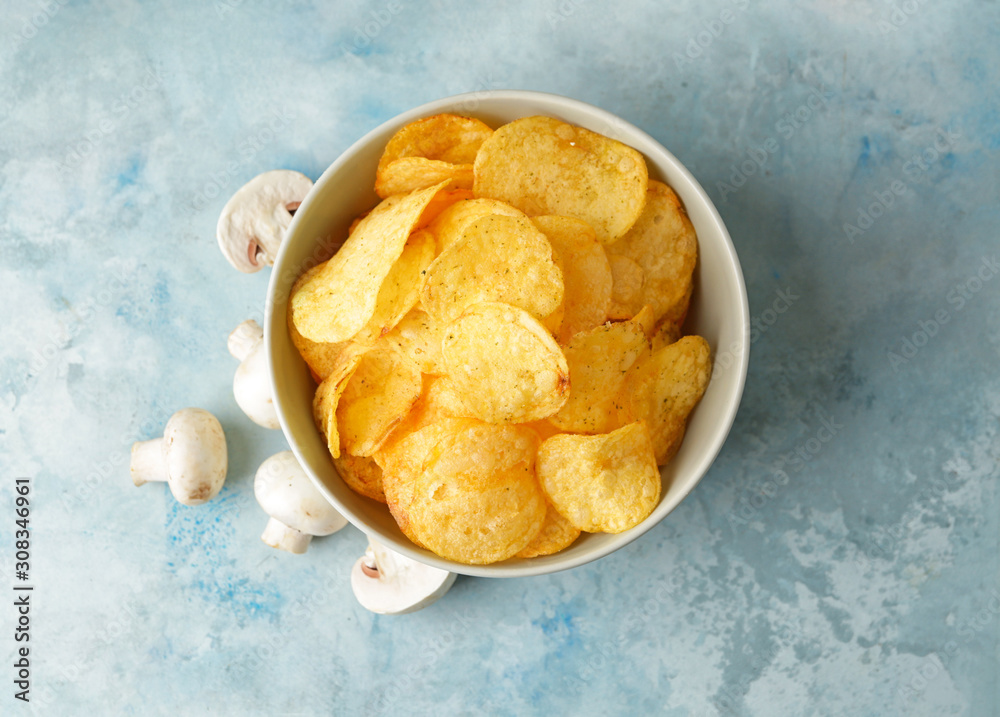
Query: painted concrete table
841, 557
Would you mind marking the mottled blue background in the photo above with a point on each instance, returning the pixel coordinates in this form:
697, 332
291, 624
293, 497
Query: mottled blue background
841, 557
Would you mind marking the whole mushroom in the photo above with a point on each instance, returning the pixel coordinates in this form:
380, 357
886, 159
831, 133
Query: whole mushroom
298, 511
250, 384
389, 583
255, 219
191, 457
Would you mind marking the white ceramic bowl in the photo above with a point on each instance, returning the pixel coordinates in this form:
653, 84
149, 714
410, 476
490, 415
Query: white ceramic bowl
719, 312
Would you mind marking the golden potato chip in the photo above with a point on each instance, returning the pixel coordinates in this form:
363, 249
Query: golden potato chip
419, 337
664, 244
362, 475
451, 223
665, 334
477, 499
404, 460
605, 483
543, 428
400, 289
586, 273
339, 300
379, 395
556, 534
505, 366
443, 200
626, 290
543, 166
598, 361
328, 396
446, 137
646, 321
663, 390
402, 176
320, 357
499, 258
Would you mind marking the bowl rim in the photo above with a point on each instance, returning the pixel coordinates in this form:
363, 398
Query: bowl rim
467, 104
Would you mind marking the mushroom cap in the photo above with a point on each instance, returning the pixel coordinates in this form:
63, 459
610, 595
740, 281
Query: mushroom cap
401, 585
287, 494
253, 390
253, 222
194, 450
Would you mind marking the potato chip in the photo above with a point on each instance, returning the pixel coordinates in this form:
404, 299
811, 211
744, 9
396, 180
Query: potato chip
605, 483
665, 334
626, 290
663, 390
451, 223
556, 533
400, 289
402, 176
477, 499
419, 337
505, 366
378, 396
598, 361
328, 395
543, 166
646, 321
339, 300
443, 200
499, 258
543, 428
320, 357
664, 244
586, 273
362, 475
445, 137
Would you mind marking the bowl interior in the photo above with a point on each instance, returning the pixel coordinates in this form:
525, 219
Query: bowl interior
719, 312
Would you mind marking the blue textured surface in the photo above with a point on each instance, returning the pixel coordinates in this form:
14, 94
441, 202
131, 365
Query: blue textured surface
841, 557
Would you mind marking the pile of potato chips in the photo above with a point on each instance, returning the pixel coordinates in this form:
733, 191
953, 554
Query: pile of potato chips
497, 343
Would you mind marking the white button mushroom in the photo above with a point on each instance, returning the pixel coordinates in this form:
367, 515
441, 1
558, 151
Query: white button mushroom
389, 583
191, 457
250, 384
298, 510
255, 219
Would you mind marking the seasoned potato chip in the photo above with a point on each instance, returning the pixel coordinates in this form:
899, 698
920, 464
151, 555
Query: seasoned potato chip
362, 475
543, 428
402, 176
404, 461
442, 201
339, 300
477, 499
419, 337
378, 396
499, 258
400, 289
598, 361
505, 366
451, 223
446, 137
328, 397
664, 244
556, 533
646, 321
663, 390
626, 290
586, 273
605, 483
666, 334
543, 166
320, 357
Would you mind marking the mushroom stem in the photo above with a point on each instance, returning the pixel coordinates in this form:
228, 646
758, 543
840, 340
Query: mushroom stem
278, 535
244, 339
147, 464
